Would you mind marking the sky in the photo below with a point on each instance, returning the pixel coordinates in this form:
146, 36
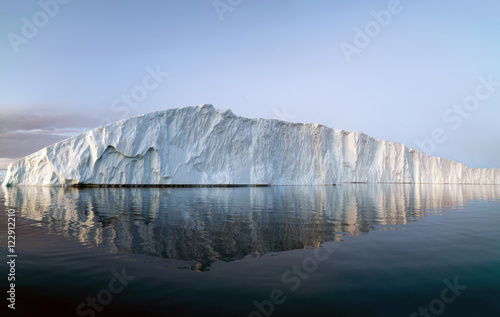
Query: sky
423, 73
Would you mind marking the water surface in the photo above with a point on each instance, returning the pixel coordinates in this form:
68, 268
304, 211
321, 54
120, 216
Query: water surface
348, 250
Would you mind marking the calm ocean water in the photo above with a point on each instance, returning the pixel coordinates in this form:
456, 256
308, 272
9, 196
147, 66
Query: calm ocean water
348, 250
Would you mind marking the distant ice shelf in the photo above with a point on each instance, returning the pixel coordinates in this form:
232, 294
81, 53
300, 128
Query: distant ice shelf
202, 145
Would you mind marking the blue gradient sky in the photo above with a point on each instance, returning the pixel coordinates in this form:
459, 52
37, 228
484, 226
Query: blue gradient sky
268, 59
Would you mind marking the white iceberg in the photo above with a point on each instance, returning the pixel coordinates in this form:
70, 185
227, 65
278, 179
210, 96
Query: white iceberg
202, 145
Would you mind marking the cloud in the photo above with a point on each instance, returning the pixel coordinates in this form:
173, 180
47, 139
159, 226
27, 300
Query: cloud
15, 120
4, 162
25, 132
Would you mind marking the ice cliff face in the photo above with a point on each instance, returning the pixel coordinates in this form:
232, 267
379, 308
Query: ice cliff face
203, 145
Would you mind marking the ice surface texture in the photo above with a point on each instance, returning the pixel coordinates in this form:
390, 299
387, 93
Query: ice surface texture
206, 146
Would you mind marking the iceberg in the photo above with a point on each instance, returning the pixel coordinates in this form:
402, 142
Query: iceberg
204, 146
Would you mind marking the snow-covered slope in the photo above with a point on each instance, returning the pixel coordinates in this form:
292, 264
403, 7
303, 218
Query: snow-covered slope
203, 145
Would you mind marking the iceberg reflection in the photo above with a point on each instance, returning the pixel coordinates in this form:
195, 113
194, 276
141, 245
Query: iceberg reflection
205, 225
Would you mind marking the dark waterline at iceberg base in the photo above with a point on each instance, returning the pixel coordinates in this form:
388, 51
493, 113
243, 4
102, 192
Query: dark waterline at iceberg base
349, 250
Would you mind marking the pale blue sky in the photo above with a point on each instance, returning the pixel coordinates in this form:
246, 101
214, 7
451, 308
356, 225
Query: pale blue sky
268, 59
